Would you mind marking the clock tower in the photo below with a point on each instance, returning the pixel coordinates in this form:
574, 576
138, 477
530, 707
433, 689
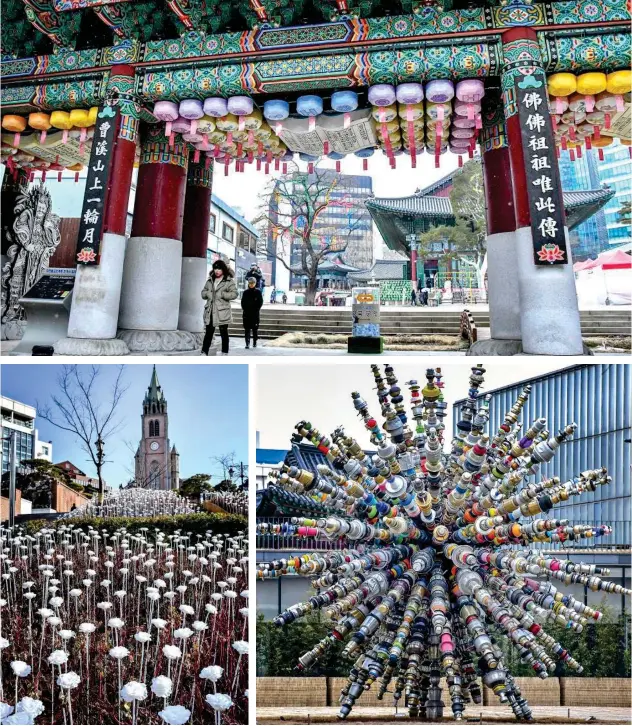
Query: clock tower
157, 465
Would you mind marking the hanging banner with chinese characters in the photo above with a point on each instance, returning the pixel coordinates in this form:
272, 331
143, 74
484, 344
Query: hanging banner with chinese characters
543, 179
91, 224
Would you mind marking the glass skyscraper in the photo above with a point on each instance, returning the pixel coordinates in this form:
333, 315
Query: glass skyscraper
615, 171
591, 237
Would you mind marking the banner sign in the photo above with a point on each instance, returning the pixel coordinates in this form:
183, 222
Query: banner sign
544, 189
91, 224
365, 309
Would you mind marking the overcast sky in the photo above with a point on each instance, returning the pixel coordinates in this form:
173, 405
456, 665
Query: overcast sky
207, 406
321, 394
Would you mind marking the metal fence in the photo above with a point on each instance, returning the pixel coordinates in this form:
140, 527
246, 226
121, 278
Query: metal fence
292, 542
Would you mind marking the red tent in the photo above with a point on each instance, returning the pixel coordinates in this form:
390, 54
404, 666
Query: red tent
615, 260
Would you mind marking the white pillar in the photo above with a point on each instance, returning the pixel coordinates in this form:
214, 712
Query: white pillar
549, 314
150, 293
193, 278
95, 304
504, 299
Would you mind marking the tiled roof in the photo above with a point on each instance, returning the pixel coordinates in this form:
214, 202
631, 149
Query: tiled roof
381, 270
573, 200
416, 204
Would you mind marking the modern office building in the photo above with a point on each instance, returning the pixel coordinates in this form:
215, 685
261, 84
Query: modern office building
19, 419
616, 171
344, 227
590, 238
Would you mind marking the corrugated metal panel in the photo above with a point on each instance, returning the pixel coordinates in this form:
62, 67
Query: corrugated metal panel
597, 398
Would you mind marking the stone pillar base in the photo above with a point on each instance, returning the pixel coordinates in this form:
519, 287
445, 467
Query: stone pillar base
90, 346
160, 341
549, 315
97, 293
504, 300
13, 330
150, 293
505, 347
194, 276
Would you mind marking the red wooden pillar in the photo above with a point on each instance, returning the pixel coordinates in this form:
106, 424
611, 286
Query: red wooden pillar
197, 217
549, 315
150, 297
504, 308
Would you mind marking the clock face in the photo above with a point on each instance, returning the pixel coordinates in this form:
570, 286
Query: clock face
154, 446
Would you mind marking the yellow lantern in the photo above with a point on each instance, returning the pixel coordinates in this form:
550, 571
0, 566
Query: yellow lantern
619, 82
562, 84
589, 85
61, 120
92, 115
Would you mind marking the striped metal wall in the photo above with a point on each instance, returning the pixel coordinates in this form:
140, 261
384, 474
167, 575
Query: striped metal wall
597, 397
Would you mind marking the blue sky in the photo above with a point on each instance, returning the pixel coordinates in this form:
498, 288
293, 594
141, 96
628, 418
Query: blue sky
207, 405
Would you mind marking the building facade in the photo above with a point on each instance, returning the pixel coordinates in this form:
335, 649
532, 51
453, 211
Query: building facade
344, 226
157, 463
616, 171
591, 237
79, 476
18, 419
231, 238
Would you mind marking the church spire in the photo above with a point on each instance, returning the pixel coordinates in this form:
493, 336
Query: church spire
155, 401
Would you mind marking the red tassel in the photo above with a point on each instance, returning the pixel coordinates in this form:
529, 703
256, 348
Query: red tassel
32, 176
460, 161
600, 154
588, 143
564, 143
572, 154
258, 164
325, 147
226, 168
196, 156
338, 166
596, 133
579, 152
251, 136
607, 118
251, 156
43, 175
572, 133
58, 176
436, 162
557, 152
470, 152
276, 164
76, 177
260, 148
285, 167
310, 167
365, 163
630, 151
267, 169
229, 137
172, 140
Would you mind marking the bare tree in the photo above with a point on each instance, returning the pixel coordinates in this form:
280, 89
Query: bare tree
291, 210
78, 410
144, 481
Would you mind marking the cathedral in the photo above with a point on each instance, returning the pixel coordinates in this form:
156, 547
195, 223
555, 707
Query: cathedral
157, 466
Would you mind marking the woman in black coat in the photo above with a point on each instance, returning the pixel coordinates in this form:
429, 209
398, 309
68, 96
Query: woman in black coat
251, 302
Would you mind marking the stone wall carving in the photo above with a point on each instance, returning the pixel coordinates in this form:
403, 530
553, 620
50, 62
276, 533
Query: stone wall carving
34, 238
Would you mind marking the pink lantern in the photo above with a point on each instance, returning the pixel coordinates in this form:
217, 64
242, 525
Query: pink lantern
215, 107
462, 133
470, 92
460, 122
168, 112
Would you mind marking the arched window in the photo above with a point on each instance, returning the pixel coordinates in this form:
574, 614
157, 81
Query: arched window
151, 428
156, 428
154, 475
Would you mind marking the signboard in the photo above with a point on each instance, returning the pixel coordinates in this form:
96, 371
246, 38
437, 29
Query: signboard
359, 134
52, 286
544, 189
365, 308
91, 224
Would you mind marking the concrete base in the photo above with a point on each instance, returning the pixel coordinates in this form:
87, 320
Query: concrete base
150, 293
193, 277
504, 300
91, 346
13, 330
159, 341
506, 347
97, 293
549, 315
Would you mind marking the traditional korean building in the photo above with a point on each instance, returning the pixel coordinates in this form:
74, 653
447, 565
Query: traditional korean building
397, 219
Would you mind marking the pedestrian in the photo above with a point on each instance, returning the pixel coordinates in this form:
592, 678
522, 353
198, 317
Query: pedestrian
219, 290
251, 302
413, 297
424, 296
273, 295
285, 298
255, 272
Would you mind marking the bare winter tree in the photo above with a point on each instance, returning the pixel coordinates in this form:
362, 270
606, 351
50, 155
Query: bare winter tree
291, 210
79, 409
